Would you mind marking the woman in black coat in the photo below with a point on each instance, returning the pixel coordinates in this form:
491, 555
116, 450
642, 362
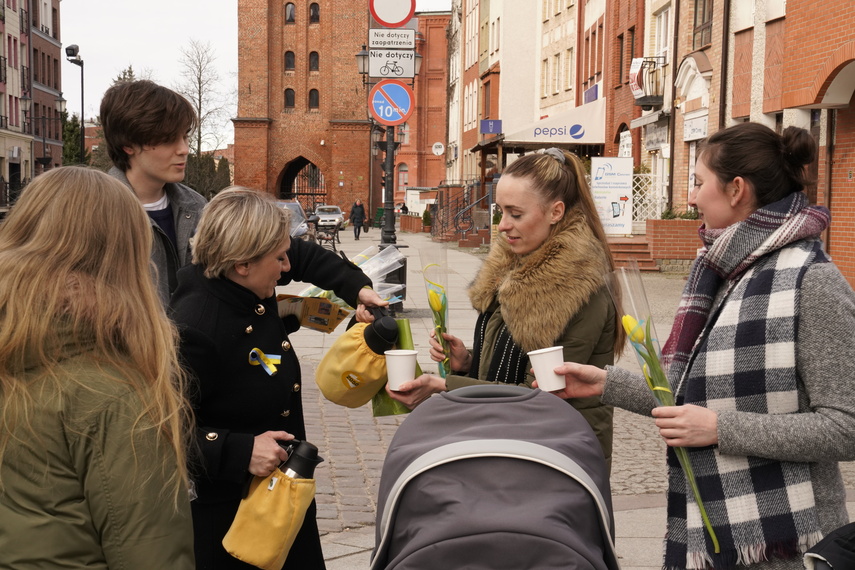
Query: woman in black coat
357, 217
246, 402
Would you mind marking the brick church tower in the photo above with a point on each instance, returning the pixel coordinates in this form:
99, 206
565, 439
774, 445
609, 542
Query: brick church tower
302, 129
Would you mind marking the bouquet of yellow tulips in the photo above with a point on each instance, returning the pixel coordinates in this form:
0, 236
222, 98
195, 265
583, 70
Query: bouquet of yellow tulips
630, 298
435, 273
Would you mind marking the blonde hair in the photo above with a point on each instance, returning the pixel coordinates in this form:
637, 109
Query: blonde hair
557, 175
76, 249
238, 225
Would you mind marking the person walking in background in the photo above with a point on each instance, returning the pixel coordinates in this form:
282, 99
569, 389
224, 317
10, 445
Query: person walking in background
245, 371
542, 284
146, 128
357, 217
760, 362
94, 422
404, 209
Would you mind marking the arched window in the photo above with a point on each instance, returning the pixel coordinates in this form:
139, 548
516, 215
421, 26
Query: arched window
314, 99
289, 61
403, 176
289, 98
314, 13
314, 61
290, 13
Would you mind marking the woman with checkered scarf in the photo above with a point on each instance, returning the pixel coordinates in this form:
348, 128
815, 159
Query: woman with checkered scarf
760, 359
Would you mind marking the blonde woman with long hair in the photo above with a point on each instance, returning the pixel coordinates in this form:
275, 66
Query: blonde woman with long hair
543, 284
92, 418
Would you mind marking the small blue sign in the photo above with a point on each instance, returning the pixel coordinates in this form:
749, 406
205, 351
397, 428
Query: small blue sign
491, 126
391, 102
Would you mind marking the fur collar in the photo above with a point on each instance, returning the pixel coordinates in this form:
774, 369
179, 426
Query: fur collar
540, 292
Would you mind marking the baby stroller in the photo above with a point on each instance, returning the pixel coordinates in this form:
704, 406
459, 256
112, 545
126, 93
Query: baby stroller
494, 477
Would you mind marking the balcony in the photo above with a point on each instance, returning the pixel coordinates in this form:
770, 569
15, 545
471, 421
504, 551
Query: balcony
648, 82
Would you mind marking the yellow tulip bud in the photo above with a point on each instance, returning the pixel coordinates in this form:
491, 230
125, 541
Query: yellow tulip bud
435, 300
632, 328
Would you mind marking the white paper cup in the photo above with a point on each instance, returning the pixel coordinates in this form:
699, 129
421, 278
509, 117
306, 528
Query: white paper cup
544, 362
400, 367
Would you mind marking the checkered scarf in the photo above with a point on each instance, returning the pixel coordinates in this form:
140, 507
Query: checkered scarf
743, 359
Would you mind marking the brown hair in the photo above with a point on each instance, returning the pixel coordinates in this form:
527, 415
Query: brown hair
75, 249
774, 164
558, 175
142, 113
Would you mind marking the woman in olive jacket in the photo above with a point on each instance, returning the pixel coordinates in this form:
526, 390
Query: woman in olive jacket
231, 337
542, 285
94, 422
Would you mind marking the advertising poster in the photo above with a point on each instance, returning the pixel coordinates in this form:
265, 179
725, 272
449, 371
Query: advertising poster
611, 185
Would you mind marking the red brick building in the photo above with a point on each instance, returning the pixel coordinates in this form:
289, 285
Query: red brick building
415, 163
303, 129
626, 32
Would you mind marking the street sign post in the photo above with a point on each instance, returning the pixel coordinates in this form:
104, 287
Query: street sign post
391, 39
391, 102
392, 13
391, 63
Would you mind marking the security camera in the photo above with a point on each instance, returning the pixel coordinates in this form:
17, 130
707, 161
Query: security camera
72, 50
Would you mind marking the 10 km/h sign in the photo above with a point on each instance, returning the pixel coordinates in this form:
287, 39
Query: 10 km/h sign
391, 102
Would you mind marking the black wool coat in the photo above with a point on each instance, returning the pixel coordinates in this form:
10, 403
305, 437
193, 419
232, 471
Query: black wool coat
220, 323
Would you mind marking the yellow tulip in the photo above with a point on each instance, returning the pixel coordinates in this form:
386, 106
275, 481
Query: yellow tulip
632, 328
435, 300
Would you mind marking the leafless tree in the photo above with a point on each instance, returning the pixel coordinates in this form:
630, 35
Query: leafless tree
201, 85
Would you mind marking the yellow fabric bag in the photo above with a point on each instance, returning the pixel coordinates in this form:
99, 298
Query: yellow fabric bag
350, 373
268, 519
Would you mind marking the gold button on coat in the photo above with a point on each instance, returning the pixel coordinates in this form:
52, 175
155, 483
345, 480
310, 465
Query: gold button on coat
286, 346
211, 435
296, 387
249, 329
286, 413
259, 309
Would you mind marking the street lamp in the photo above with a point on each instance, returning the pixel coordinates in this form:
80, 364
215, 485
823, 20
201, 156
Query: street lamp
72, 54
27, 106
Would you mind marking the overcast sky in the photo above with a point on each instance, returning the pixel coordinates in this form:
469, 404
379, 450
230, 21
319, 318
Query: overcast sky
149, 35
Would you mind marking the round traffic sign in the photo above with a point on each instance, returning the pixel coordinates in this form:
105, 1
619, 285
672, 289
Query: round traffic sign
392, 13
391, 102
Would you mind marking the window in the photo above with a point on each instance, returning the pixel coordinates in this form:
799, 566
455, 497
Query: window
569, 69
314, 13
485, 108
289, 99
663, 34
289, 61
404, 133
290, 13
621, 46
314, 61
556, 73
703, 23
314, 99
403, 175
544, 78
631, 47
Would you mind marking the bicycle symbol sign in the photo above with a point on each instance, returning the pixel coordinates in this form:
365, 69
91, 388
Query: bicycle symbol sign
391, 102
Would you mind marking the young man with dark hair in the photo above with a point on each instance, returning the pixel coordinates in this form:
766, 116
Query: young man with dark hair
146, 128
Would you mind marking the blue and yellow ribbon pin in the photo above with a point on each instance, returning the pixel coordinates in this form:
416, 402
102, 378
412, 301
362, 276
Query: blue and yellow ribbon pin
266, 361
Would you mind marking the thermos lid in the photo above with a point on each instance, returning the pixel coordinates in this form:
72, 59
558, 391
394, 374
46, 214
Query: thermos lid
382, 334
303, 460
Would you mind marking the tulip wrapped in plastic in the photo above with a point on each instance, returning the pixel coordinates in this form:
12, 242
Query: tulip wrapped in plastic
630, 298
435, 271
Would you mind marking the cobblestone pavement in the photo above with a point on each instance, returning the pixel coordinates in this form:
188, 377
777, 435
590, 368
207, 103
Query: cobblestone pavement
354, 443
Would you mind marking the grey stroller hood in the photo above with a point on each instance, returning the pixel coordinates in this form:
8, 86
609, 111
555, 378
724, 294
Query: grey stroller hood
494, 477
